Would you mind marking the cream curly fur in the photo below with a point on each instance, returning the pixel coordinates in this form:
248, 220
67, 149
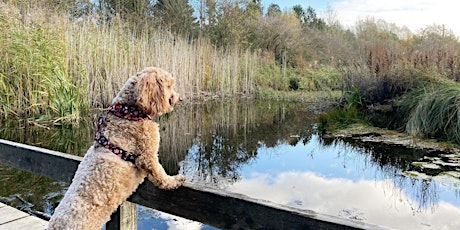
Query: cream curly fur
103, 180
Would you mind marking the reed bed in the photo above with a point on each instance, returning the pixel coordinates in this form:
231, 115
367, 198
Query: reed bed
106, 55
56, 68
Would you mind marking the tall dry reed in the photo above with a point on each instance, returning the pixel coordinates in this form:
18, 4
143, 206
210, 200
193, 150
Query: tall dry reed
58, 66
106, 55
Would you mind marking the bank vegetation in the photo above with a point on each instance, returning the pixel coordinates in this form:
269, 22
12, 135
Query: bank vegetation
59, 59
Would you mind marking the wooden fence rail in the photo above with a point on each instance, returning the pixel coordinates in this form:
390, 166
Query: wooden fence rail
207, 205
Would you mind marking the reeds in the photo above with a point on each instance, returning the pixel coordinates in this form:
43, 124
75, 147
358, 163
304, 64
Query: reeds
33, 72
434, 111
56, 68
106, 55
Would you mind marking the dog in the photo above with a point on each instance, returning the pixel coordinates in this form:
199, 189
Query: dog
124, 153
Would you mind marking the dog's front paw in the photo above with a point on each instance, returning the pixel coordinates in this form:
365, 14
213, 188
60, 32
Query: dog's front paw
168, 183
178, 181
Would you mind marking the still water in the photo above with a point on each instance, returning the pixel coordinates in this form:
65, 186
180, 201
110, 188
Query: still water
266, 150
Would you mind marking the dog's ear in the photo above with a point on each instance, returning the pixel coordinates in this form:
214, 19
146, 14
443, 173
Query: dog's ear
150, 92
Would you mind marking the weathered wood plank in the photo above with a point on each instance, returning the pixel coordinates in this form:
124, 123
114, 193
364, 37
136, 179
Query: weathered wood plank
234, 211
11, 218
27, 223
207, 205
8, 214
124, 218
45, 162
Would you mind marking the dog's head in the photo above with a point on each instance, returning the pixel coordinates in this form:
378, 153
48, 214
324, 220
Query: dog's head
151, 90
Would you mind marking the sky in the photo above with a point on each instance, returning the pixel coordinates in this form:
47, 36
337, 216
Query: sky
415, 14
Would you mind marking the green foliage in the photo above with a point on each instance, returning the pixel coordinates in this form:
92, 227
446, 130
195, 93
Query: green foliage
434, 111
229, 26
319, 80
33, 71
309, 18
54, 65
176, 16
56, 69
339, 118
274, 77
325, 98
294, 84
354, 98
280, 34
273, 10
270, 76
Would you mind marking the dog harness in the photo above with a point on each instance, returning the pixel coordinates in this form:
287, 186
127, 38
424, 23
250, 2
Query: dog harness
132, 113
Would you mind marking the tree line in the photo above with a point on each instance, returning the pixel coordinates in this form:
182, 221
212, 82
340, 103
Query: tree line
297, 37
227, 23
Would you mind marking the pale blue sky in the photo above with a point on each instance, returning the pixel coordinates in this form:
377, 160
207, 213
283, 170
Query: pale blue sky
288, 4
415, 14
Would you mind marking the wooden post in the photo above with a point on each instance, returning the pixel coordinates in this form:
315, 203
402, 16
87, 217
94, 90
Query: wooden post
125, 218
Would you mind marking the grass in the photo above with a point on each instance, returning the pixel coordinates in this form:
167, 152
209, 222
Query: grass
55, 69
434, 111
271, 76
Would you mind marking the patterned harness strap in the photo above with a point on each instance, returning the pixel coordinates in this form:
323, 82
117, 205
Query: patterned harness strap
128, 112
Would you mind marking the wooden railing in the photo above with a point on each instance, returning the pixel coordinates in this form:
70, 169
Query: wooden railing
207, 205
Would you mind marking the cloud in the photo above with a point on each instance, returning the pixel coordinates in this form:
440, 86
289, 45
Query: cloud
178, 223
375, 202
415, 14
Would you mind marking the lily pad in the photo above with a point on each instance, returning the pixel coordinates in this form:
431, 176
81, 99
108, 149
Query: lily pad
431, 158
427, 165
452, 174
452, 155
443, 163
417, 175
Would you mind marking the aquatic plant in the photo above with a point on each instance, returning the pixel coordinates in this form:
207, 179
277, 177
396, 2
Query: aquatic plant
434, 111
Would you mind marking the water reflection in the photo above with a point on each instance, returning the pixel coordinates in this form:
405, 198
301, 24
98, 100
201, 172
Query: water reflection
269, 150
365, 200
153, 219
335, 180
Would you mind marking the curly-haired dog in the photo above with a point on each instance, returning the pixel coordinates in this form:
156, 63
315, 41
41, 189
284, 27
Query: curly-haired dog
124, 153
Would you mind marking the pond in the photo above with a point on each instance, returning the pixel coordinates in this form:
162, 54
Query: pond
266, 150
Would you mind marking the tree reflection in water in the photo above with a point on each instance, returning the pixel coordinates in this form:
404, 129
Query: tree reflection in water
219, 138
393, 161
